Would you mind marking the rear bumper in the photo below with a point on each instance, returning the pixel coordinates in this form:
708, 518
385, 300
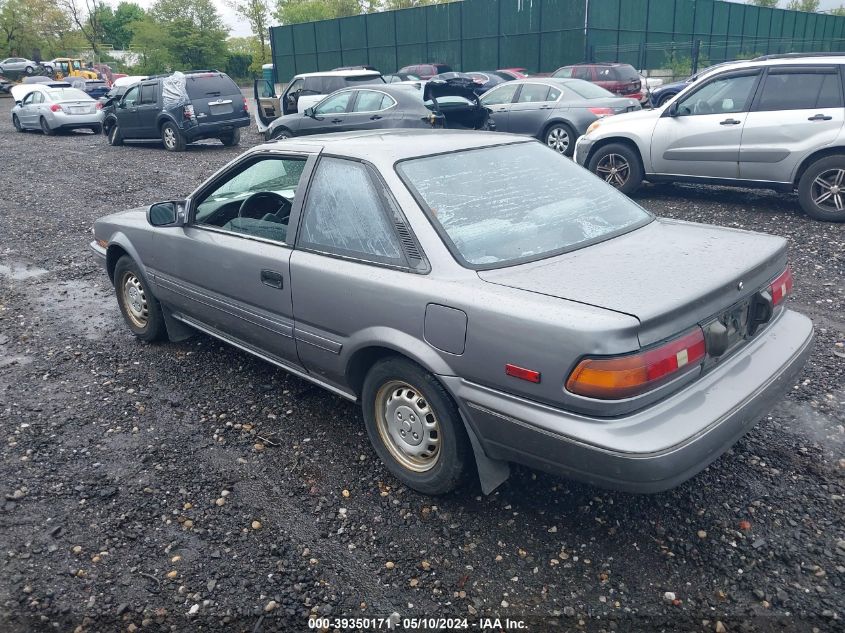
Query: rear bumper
213, 130
74, 121
656, 448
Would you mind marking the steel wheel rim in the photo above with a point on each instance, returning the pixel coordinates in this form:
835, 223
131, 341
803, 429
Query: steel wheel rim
408, 426
828, 190
169, 137
135, 300
614, 169
558, 139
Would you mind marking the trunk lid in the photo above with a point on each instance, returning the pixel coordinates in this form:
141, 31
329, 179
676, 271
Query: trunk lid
668, 274
215, 97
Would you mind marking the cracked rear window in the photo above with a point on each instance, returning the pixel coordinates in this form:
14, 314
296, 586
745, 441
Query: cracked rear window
503, 205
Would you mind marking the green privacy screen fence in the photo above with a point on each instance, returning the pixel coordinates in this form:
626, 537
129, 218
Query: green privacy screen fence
542, 35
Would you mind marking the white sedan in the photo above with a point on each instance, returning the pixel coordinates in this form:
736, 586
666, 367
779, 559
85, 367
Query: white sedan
51, 109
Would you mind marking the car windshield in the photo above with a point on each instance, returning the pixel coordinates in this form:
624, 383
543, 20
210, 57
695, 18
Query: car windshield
589, 91
63, 94
503, 205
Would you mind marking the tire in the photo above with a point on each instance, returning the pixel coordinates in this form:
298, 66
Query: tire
231, 140
45, 127
139, 307
619, 166
17, 123
114, 135
561, 138
97, 129
172, 137
279, 134
396, 387
821, 190
29, 70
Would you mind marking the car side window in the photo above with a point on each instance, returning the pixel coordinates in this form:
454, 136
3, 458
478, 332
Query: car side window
256, 201
372, 101
554, 94
563, 73
335, 104
348, 220
29, 99
149, 94
131, 96
723, 95
531, 93
583, 72
797, 90
500, 95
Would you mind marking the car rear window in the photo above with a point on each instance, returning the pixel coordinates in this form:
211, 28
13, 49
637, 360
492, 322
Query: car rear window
625, 73
589, 91
504, 205
61, 94
210, 85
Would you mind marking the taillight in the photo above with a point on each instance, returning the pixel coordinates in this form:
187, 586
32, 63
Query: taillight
614, 378
246, 105
55, 108
99, 106
188, 113
782, 286
601, 111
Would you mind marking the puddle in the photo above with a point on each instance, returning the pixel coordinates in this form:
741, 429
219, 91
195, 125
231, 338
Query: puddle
20, 271
90, 309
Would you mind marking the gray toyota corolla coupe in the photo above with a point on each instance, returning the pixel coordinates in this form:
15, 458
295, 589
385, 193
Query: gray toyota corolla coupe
485, 299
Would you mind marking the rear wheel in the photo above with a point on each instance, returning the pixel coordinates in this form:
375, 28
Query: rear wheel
172, 138
45, 127
139, 307
561, 138
821, 190
231, 139
619, 166
17, 123
97, 129
114, 135
415, 427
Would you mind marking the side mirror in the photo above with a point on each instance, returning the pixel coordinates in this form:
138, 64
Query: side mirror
17, 103
309, 112
170, 213
673, 109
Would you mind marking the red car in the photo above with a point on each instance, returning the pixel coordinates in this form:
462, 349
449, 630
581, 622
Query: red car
513, 73
620, 79
425, 71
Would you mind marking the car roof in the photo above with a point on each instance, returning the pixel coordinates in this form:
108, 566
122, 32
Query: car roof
760, 62
385, 147
340, 73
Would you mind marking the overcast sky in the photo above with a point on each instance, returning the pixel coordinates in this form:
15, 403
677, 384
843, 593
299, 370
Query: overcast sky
239, 27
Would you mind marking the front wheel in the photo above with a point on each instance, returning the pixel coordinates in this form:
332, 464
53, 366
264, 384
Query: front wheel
231, 139
139, 307
29, 70
821, 190
115, 137
415, 427
619, 166
172, 138
561, 138
17, 123
279, 134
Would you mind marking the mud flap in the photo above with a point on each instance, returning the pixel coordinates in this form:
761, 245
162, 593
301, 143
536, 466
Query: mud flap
492, 473
176, 330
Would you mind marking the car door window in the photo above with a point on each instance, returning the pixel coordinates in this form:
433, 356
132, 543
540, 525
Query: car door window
148, 94
131, 96
583, 72
554, 94
348, 220
29, 99
720, 96
255, 201
800, 90
335, 104
564, 73
500, 95
531, 93
372, 101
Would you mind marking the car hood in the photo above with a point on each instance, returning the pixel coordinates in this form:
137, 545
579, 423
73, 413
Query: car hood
668, 274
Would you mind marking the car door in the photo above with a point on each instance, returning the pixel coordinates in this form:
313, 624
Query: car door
499, 102
268, 105
28, 115
700, 133
372, 109
533, 106
148, 110
797, 110
290, 96
330, 115
127, 113
347, 257
227, 270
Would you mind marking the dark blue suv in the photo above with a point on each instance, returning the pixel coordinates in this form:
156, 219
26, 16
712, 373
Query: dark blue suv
178, 109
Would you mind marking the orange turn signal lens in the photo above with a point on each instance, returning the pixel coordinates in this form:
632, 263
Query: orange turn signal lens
614, 378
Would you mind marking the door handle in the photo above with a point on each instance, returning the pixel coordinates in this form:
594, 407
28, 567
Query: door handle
337, 120
273, 279
730, 122
375, 117
820, 117
502, 110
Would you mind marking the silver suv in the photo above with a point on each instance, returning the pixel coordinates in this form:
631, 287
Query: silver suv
774, 123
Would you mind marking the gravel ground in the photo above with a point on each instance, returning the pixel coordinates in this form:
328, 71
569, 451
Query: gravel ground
191, 487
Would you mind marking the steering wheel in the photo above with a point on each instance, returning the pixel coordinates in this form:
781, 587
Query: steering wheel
275, 203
